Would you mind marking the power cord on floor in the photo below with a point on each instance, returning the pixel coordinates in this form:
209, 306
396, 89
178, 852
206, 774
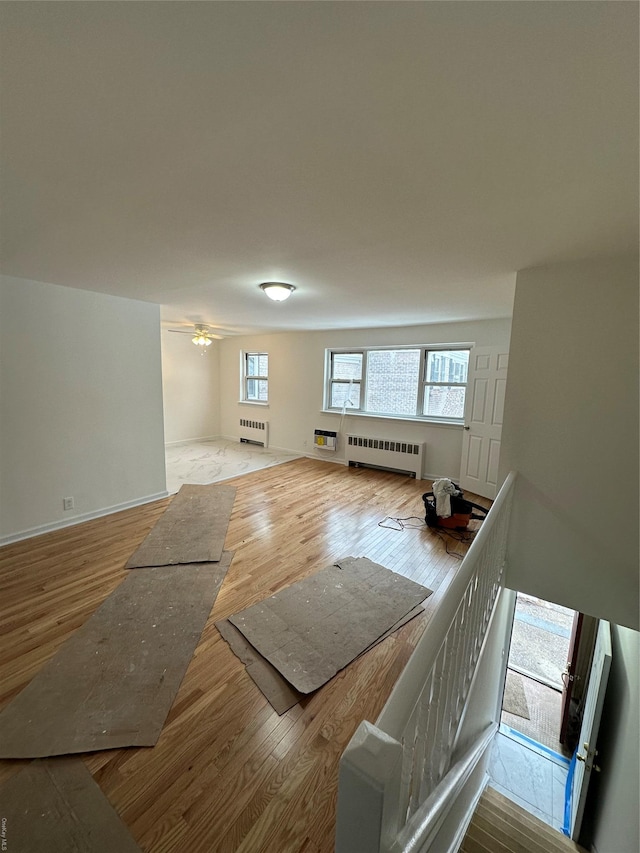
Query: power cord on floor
466, 539
400, 524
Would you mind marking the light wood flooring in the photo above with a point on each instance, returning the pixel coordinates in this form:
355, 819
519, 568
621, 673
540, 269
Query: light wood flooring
228, 774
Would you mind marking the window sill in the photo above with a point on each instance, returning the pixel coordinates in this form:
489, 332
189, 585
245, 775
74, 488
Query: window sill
253, 403
428, 421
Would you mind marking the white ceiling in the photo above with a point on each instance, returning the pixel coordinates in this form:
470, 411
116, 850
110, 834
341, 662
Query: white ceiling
397, 162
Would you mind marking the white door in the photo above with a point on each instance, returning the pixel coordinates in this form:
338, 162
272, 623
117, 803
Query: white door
586, 751
484, 408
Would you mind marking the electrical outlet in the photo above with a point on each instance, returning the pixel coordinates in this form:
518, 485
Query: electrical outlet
67, 503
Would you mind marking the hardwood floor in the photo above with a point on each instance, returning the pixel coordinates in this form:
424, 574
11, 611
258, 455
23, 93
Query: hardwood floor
228, 774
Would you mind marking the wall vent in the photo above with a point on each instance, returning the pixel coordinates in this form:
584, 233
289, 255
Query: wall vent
254, 432
385, 453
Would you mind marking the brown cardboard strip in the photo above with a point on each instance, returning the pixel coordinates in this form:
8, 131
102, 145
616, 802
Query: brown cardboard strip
191, 530
114, 680
315, 627
276, 689
54, 804
280, 694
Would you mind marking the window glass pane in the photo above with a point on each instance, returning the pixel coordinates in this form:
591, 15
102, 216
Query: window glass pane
258, 389
392, 381
447, 365
444, 401
257, 364
345, 392
347, 365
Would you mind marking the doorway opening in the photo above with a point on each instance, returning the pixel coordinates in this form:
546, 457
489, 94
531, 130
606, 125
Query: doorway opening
536, 673
558, 667
529, 764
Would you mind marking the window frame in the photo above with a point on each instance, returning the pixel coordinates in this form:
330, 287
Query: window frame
331, 381
247, 377
426, 383
423, 383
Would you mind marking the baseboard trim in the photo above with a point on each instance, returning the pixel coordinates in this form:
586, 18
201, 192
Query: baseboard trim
191, 440
275, 448
78, 519
325, 458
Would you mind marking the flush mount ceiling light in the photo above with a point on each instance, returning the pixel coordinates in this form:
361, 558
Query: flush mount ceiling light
277, 290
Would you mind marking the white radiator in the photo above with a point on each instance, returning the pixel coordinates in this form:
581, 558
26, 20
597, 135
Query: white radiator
385, 453
255, 432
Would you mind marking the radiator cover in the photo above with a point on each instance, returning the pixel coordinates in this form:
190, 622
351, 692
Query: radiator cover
254, 432
385, 453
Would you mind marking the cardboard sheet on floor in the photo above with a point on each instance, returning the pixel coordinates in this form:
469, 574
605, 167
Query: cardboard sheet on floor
277, 690
315, 627
279, 693
191, 530
54, 804
112, 683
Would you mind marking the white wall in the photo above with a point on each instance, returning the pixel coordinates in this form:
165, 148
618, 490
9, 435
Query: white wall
485, 696
296, 377
190, 388
571, 431
611, 813
80, 404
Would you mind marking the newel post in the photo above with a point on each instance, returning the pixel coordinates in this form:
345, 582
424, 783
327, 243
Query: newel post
368, 792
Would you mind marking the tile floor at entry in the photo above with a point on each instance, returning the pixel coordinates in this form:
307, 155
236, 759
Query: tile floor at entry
530, 776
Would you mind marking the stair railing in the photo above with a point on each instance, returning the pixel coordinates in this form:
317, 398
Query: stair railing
390, 771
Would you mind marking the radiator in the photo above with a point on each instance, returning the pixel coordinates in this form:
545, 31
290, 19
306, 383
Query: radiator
385, 453
255, 432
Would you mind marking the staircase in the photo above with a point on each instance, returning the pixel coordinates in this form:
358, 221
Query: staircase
501, 826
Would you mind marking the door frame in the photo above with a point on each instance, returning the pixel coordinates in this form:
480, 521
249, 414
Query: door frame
568, 676
584, 757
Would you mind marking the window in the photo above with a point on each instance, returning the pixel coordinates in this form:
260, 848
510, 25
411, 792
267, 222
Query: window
445, 384
346, 379
411, 382
256, 377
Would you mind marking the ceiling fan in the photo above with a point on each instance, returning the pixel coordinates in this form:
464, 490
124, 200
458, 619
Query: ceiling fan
201, 335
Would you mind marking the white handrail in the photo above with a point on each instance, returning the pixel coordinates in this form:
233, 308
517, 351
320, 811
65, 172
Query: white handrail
418, 727
392, 718
418, 832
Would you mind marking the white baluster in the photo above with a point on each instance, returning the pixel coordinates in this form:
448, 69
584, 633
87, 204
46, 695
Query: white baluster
384, 782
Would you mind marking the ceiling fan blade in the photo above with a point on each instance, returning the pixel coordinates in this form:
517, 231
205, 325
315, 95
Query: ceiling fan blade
193, 332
